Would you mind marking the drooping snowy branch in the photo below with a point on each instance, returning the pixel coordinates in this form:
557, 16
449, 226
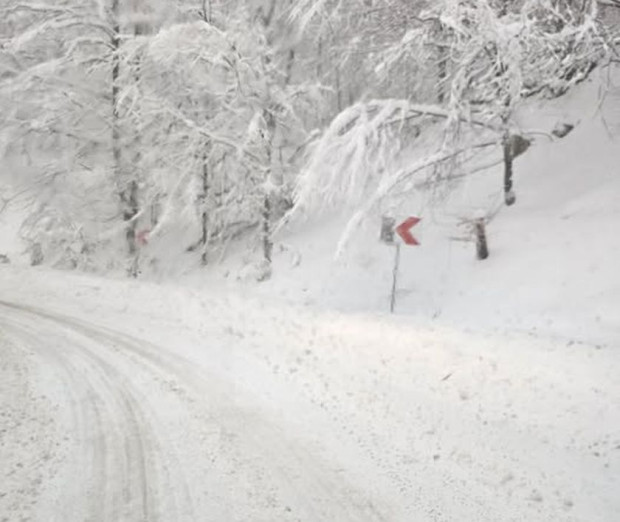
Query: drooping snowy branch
491, 57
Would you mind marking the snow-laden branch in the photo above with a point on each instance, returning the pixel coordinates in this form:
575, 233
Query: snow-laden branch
39, 30
213, 136
33, 8
303, 11
361, 144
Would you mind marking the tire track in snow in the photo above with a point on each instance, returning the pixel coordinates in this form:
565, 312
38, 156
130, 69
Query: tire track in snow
117, 476
319, 493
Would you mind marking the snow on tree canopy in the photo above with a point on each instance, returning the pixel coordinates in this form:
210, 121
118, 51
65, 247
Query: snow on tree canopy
196, 44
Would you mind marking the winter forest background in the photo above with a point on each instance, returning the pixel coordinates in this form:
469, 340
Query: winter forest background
128, 124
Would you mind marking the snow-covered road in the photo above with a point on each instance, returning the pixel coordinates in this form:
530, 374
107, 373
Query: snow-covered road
116, 467
115, 428
133, 402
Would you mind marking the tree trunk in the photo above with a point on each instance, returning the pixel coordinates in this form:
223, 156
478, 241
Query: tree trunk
290, 62
270, 129
116, 145
268, 196
131, 204
509, 195
130, 211
442, 74
267, 242
442, 64
205, 211
128, 193
482, 249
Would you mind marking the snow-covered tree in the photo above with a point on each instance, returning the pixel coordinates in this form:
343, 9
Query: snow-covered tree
64, 66
130, 116
493, 55
131, 121
51, 126
218, 119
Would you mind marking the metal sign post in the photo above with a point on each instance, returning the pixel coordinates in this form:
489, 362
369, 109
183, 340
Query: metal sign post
395, 277
387, 236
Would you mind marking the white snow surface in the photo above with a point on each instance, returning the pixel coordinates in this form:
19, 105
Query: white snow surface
131, 401
493, 394
554, 255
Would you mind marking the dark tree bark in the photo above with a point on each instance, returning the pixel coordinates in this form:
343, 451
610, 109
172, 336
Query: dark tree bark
482, 249
130, 211
270, 130
509, 195
442, 73
268, 195
128, 192
131, 204
205, 211
442, 62
116, 145
267, 242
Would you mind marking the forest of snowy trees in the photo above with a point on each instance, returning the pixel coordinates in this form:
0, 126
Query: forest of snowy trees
124, 122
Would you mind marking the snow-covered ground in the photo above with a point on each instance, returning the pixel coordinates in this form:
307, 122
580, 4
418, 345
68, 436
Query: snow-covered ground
147, 402
491, 395
554, 255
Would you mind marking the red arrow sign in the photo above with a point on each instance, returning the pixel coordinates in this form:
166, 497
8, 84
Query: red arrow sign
142, 237
404, 230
